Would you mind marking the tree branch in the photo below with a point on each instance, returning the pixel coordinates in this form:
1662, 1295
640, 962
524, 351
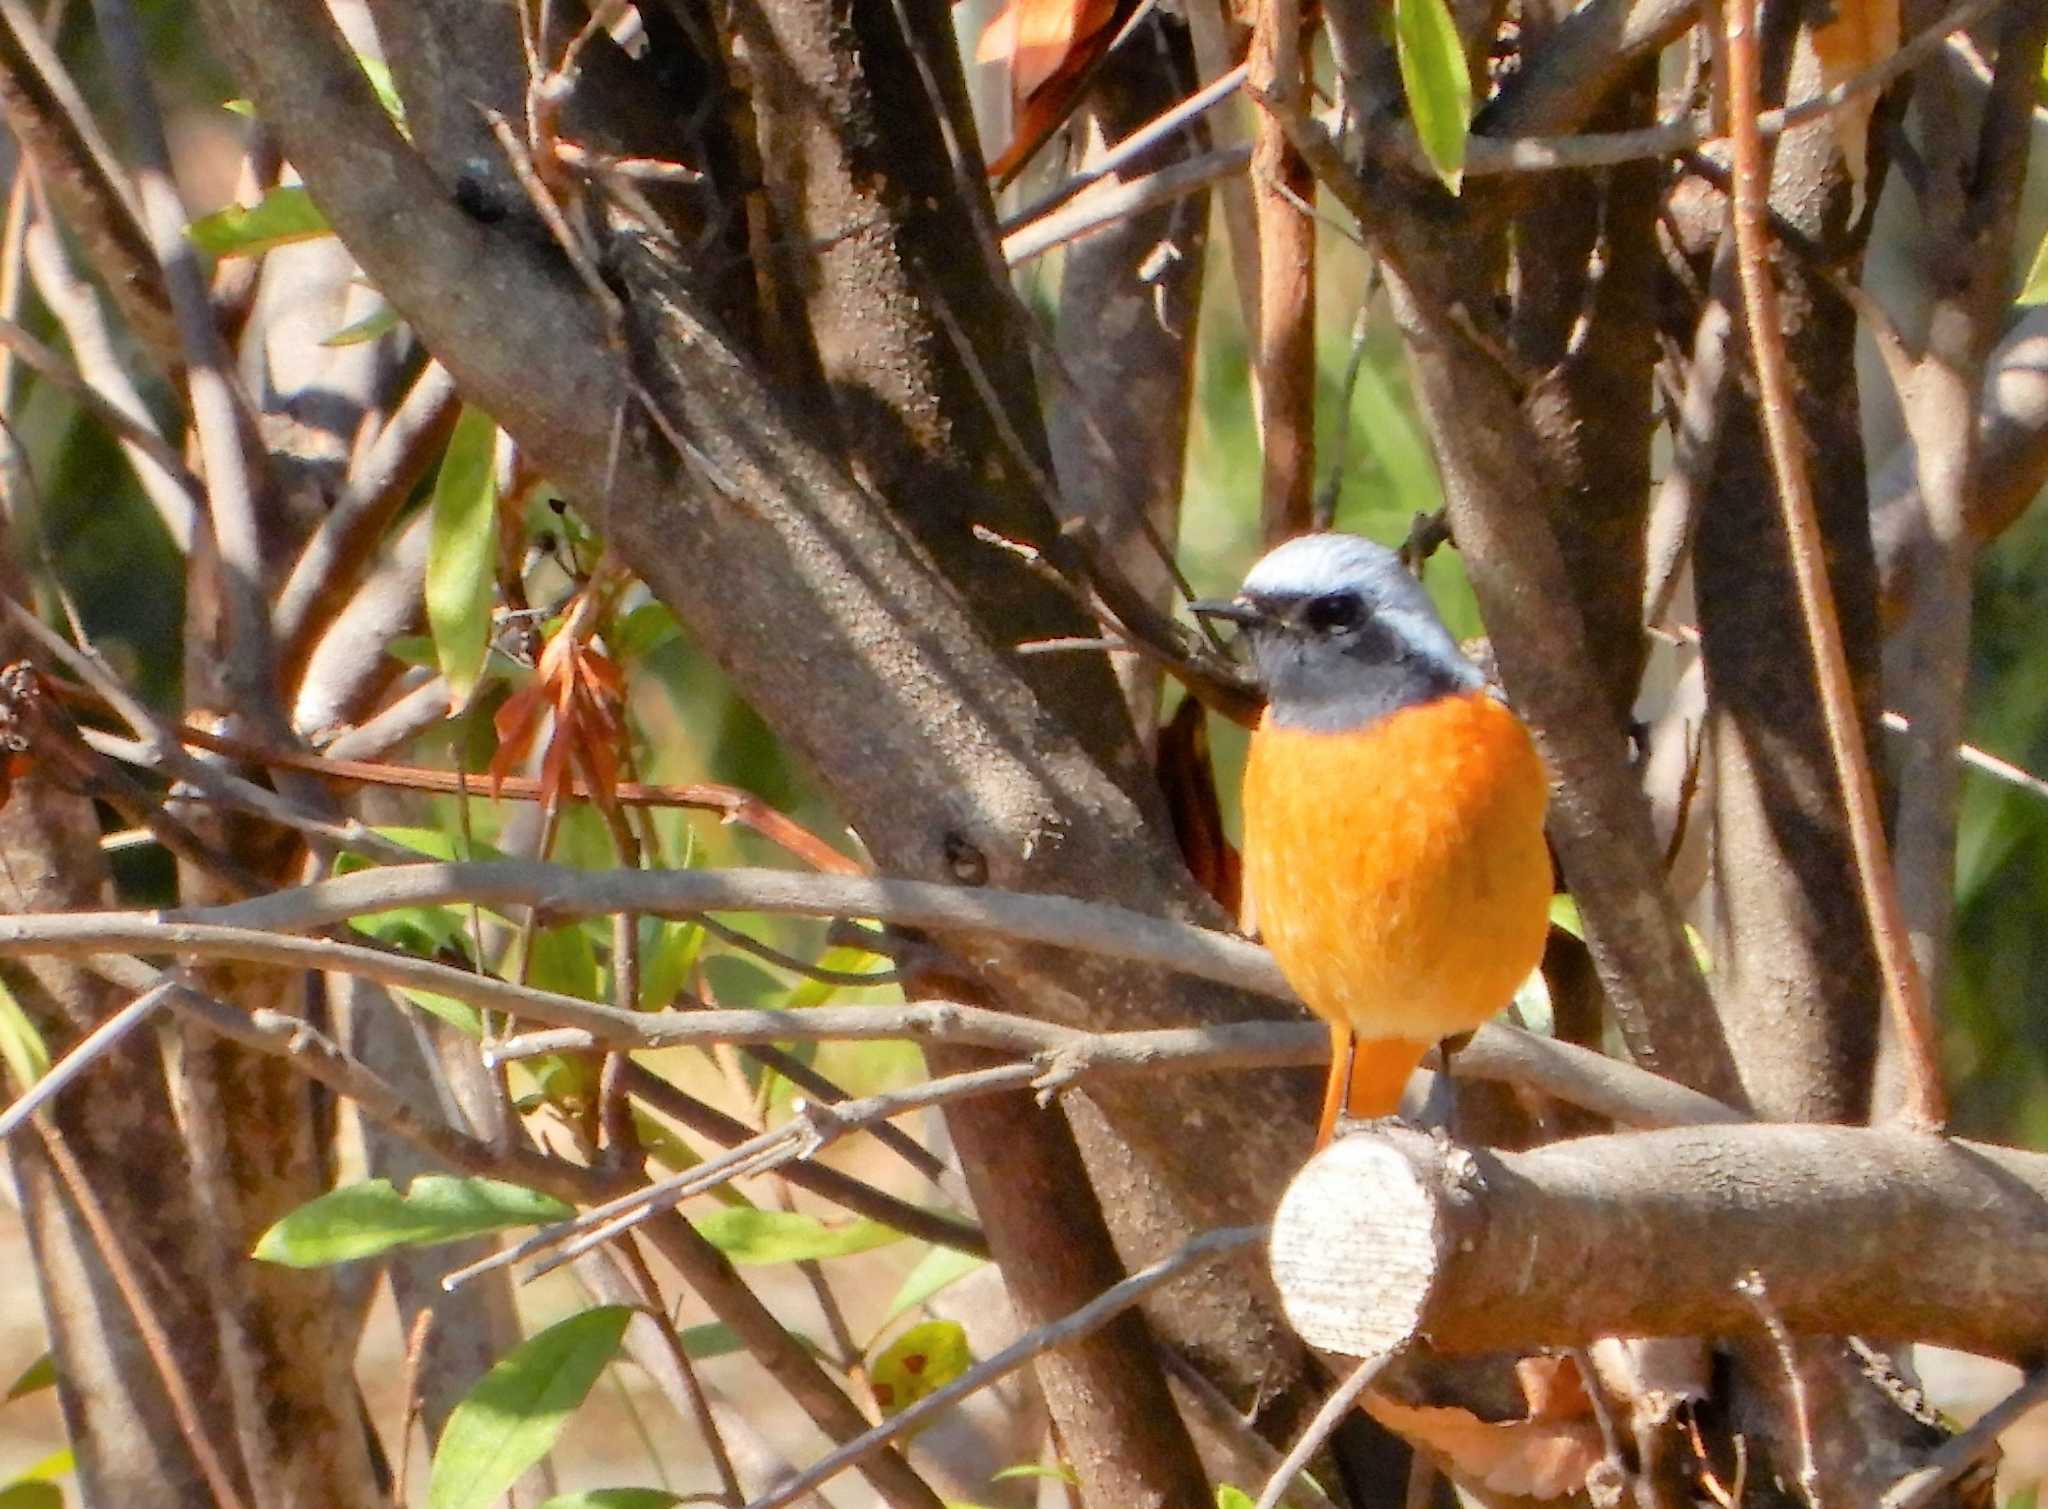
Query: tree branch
1391, 1236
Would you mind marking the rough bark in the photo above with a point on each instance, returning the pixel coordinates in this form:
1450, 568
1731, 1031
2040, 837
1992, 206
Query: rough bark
834, 621
1795, 977
118, 1125
1130, 299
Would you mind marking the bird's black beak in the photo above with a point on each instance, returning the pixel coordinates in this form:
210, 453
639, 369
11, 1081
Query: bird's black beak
1237, 610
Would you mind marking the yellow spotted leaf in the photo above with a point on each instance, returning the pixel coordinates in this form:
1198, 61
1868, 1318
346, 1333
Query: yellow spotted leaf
921, 1361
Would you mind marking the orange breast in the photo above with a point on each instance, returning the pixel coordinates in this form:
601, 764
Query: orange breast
1398, 873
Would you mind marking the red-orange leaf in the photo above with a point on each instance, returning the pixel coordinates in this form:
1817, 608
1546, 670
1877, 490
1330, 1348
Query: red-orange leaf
585, 690
1050, 46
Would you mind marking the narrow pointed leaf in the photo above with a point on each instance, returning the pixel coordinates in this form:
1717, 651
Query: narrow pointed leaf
747, 1235
934, 1271
282, 216
22, 1048
2035, 290
37, 1376
462, 554
360, 1220
615, 1498
1438, 83
512, 1417
379, 320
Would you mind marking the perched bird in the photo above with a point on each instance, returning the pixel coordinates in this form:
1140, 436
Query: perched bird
1393, 814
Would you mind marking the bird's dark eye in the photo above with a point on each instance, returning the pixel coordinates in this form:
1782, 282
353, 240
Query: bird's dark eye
1333, 613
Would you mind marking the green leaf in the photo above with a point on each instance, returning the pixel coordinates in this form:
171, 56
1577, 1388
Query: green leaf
642, 630
411, 649
37, 1376
377, 322
460, 1015
1564, 913
747, 1235
1438, 83
934, 1271
379, 74
433, 843
663, 1145
843, 959
462, 554
1059, 1470
22, 1048
666, 960
563, 961
923, 1360
1531, 1009
712, 1339
1228, 1497
615, 1498
30, 1494
282, 216
2035, 289
359, 1220
511, 1418
57, 1464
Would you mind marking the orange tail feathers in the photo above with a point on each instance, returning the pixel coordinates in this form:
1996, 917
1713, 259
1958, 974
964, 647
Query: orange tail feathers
1367, 1076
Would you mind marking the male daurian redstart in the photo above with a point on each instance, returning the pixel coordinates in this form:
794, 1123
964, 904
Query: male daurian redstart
1393, 814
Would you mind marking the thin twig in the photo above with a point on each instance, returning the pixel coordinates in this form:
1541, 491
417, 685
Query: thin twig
1326, 1420
319, 1058
1609, 1086
1090, 1317
565, 893
415, 1358
127, 428
812, 1128
96, 1045
1959, 1453
1980, 759
1124, 200
1126, 150
1904, 988
1255, 1455
232, 510
1752, 1288
686, 1371
1486, 155
822, 1180
148, 1325
97, 352
341, 547
731, 803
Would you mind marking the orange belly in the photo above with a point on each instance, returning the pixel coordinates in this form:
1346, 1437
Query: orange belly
1399, 873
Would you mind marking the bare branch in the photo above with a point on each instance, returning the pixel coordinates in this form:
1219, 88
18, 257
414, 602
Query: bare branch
562, 892
1612, 1088
340, 549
